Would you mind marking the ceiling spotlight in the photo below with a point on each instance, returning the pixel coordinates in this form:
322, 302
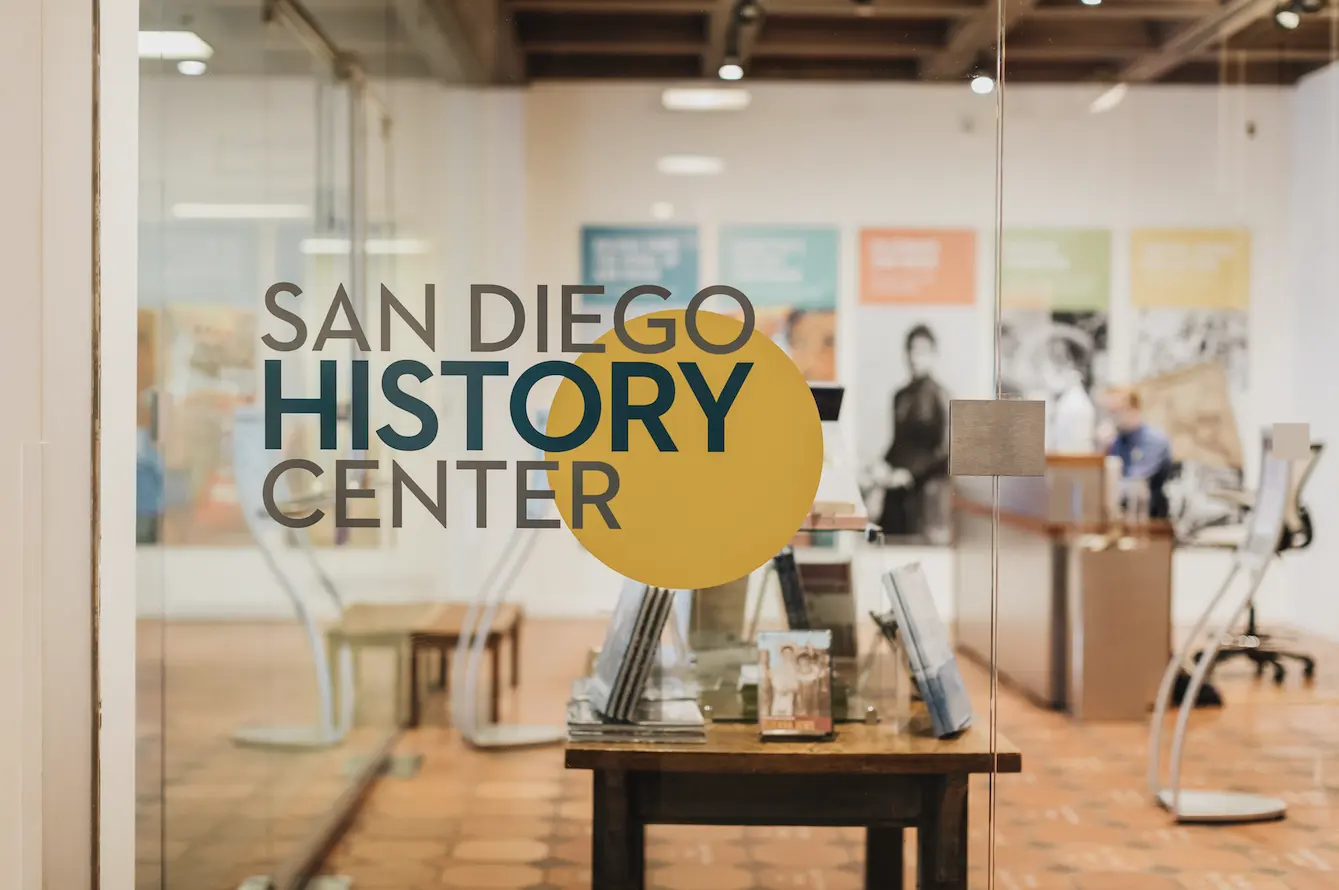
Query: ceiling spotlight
1092, 2
1309, 5
191, 67
748, 11
983, 84
1287, 18
730, 69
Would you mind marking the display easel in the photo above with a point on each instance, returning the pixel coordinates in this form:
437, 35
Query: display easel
249, 470
469, 655
1250, 561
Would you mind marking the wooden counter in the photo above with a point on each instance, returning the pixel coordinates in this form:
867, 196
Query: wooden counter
1083, 618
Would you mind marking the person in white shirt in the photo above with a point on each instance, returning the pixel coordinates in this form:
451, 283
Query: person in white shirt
1071, 416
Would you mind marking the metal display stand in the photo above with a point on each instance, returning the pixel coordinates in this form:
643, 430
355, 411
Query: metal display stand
1250, 562
249, 472
469, 655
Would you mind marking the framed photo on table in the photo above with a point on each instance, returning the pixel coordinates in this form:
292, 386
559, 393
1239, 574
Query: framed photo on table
795, 685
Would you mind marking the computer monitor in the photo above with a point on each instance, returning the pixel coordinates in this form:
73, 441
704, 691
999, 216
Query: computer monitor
828, 397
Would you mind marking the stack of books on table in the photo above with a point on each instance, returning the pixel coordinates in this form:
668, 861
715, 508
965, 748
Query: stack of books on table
678, 721
614, 704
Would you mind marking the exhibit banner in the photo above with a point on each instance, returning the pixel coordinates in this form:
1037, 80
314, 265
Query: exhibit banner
1190, 268
621, 257
792, 266
918, 266
911, 361
790, 276
1065, 270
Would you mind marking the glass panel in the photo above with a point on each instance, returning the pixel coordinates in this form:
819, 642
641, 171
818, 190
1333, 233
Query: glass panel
1156, 294
255, 715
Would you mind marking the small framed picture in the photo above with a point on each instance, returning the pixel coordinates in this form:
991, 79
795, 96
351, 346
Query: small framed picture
795, 684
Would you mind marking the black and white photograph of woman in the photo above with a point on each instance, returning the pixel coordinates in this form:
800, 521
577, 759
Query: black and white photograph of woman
911, 362
911, 477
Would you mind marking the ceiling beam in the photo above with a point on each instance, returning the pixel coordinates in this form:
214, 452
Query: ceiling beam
876, 9
726, 32
887, 9
1169, 11
490, 28
448, 55
1217, 25
972, 36
718, 31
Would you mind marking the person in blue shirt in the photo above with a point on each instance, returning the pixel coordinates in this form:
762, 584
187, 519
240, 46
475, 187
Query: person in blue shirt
1145, 452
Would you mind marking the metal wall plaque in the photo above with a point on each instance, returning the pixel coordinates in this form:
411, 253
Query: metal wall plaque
1292, 441
996, 437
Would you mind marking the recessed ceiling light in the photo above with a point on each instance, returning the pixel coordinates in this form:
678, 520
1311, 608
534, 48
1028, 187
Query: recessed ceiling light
731, 70
241, 211
705, 99
191, 67
690, 165
173, 45
1109, 99
1092, 2
662, 210
983, 84
1287, 18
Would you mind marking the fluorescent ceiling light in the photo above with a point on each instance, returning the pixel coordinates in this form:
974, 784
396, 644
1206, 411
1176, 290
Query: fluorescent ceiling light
173, 45
705, 100
373, 246
1110, 99
1092, 2
690, 165
191, 67
241, 211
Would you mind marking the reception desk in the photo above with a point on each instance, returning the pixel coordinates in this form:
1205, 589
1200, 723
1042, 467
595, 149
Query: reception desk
1083, 608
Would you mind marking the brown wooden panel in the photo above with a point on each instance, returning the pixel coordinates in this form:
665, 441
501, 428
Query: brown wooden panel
801, 799
858, 748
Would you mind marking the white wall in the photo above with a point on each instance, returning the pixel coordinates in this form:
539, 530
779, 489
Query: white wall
1316, 360
924, 156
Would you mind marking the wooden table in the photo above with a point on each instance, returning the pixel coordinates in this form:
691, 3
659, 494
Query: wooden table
410, 630
869, 776
441, 632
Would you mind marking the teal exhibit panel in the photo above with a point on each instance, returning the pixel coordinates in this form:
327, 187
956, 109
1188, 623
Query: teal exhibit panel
781, 266
789, 273
621, 257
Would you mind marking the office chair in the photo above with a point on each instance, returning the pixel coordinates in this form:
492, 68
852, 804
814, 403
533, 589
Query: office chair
1296, 534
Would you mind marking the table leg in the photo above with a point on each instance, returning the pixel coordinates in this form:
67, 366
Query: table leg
617, 837
495, 651
884, 866
444, 667
414, 703
516, 652
942, 835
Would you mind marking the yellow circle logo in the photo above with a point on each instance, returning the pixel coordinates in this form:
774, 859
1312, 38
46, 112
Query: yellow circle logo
704, 496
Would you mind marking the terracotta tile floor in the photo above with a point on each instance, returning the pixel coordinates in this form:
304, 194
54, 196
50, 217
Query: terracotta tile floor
1078, 818
210, 814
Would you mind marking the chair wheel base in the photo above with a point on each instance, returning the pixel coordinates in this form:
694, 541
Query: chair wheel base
1223, 807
